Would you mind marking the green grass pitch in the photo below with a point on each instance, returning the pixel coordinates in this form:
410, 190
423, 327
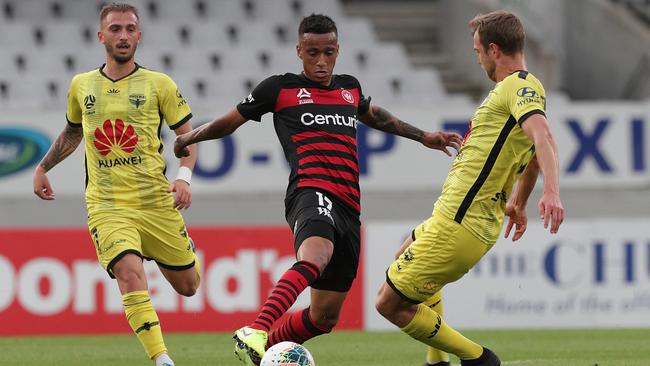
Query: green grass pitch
601, 347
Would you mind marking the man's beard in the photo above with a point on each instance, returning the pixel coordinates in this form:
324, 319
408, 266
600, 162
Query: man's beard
120, 59
492, 74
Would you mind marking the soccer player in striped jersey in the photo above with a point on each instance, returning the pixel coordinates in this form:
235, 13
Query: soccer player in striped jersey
509, 140
315, 116
133, 211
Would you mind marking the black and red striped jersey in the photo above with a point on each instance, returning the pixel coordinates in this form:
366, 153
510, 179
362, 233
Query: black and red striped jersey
317, 128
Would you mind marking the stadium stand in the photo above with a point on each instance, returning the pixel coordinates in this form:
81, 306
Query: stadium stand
212, 39
640, 7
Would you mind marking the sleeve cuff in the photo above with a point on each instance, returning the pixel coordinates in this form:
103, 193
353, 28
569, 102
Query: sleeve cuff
523, 118
364, 105
72, 124
247, 116
181, 122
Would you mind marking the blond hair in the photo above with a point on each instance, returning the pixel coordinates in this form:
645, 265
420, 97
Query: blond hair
501, 28
117, 7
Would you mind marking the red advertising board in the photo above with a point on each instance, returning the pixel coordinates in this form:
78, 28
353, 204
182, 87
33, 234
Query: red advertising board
51, 283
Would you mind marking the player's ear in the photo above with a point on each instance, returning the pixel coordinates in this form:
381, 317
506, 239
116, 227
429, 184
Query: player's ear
495, 49
299, 51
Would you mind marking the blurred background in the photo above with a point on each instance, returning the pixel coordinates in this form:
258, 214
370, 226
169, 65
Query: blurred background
415, 58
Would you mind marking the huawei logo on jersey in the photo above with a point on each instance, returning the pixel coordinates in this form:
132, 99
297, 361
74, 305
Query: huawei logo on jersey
347, 96
115, 135
304, 96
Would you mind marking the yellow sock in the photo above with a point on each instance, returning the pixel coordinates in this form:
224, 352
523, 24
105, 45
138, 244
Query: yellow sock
144, 321
429, 328
435, 355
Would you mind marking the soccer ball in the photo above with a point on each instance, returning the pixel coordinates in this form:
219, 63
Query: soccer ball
287, 354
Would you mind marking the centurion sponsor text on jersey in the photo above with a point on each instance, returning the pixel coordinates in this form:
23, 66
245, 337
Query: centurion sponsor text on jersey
308, 119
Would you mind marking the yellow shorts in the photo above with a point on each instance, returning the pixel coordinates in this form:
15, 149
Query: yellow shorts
443, 251
154, 234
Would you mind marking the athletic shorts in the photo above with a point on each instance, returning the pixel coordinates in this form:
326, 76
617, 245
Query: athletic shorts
442, 252
315, 212
153, 234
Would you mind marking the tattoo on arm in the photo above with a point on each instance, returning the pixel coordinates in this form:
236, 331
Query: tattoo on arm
382, 120
65, 144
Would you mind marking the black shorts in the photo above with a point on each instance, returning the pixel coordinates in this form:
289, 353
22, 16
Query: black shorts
315, 212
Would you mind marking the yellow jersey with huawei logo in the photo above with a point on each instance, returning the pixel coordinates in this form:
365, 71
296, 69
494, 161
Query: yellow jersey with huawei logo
494, 153
122, 121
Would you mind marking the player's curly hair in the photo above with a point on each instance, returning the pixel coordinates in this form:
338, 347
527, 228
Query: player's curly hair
118, 7
501, 28
317, 23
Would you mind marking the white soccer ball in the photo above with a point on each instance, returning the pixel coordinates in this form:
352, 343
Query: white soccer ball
287, 354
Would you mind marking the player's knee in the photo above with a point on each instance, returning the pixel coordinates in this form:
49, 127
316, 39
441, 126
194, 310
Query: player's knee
380, 306
187, 289
129, 277
384, 307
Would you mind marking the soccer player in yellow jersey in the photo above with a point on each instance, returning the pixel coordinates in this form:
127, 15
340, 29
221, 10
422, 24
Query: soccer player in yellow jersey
509, 140
133, 211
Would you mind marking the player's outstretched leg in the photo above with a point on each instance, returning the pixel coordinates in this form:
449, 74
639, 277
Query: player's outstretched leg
250, 341
436, 357
138, 308
428, 327
425, 325
144, 321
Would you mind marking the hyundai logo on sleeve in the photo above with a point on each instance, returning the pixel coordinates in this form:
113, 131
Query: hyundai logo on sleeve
527, 92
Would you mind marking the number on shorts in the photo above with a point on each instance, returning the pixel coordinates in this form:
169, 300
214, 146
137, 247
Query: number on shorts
322, 199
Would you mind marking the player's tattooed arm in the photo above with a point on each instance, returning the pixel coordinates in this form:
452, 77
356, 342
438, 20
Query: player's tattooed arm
381, 119
65, 144
220, 127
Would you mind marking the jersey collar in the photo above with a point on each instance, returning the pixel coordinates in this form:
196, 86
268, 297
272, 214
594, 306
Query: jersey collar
305, 78
101, 71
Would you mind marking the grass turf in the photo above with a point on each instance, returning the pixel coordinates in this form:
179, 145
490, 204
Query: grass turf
601, 347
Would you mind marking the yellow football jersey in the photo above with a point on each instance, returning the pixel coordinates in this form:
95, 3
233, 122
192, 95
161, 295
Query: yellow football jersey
121, 121
495, 152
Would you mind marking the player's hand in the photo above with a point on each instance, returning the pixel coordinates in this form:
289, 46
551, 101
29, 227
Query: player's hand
182, 194
42, 187
516, 217
442, 140
551, 211
180, 149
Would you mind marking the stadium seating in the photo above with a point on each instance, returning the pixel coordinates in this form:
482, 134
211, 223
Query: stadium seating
33, 10
214, 48
640, 7
33, 92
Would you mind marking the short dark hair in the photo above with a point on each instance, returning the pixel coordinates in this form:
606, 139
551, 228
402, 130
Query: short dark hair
501, 28
317, 23
119, 7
